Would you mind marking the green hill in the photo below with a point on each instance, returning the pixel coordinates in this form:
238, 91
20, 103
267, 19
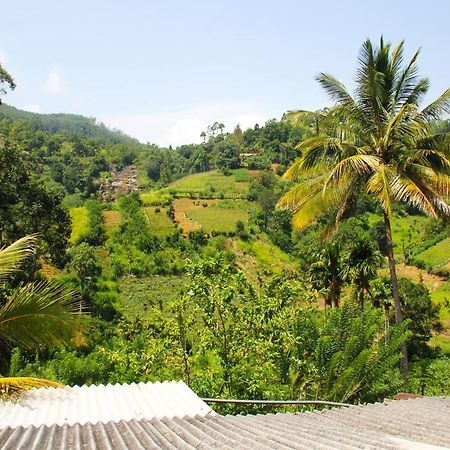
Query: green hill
69, 123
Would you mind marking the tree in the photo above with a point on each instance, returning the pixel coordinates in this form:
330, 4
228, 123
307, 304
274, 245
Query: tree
28, 206
378, 142
423, 316
326, 272
6, 82
228, 154
361, 264
34, 314
86, 265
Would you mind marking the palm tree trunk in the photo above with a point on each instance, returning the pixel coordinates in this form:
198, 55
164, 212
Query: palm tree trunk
395, 291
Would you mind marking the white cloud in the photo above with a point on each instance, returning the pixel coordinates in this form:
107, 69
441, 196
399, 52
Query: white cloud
56, 83
32, 107
184, 127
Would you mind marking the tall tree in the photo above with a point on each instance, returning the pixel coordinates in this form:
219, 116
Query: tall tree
378, 141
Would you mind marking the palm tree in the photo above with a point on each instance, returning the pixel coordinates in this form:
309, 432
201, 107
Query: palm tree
378, 141
326, 272
361, 265
41, 313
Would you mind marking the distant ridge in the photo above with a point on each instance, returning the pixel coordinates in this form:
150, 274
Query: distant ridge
74, 124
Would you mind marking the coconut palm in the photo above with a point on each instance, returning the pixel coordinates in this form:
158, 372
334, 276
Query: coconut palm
34, 314
377, 141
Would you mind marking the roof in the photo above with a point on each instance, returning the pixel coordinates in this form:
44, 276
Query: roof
92, 404
421, 423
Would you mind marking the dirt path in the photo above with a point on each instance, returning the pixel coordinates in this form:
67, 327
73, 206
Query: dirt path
432, 282
181, 206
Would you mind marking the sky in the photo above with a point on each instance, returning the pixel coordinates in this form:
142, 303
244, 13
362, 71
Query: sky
162, 71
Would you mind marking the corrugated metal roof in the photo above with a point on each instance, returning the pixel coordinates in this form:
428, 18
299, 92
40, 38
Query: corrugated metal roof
407, 424
92, 404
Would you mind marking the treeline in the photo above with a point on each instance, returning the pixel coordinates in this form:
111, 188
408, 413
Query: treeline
259, 148
68, 124
79, 155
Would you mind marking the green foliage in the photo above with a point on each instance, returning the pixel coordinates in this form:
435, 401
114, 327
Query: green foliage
159, 222
155, 198
348, 357
227, 154
209, 184
85, 263
68, 123
33, 314
430, 377
422, 314
28, 206
6, 82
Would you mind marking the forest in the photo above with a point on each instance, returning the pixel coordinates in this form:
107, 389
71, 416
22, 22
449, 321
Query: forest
303, 258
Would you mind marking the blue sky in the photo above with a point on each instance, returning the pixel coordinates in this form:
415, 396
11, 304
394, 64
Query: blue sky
163, 70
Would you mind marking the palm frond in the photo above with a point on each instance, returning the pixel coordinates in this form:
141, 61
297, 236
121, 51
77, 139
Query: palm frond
406, 190
379, 184
439, 107
356, 163
323, 151
406, 82
12, 387
38, 314
11, 257
314, 208
301, 192
433, 159
335, 90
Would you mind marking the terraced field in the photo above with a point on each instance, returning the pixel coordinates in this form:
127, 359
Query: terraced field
210, 214
159, 222
436, 256
111, 222
212, 184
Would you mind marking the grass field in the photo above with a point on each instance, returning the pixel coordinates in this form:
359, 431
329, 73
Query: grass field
79, 223
442, 297
155, 198
218, 215
267, 256
111, 222
212, 184
218, 219
436, 256
159, 223
441, 341
140, 295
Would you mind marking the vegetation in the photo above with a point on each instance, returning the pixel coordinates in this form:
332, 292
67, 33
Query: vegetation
189, 271
378, 142
31, 315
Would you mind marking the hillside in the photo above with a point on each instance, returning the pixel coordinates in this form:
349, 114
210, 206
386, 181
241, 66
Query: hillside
190, 275
76, 125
